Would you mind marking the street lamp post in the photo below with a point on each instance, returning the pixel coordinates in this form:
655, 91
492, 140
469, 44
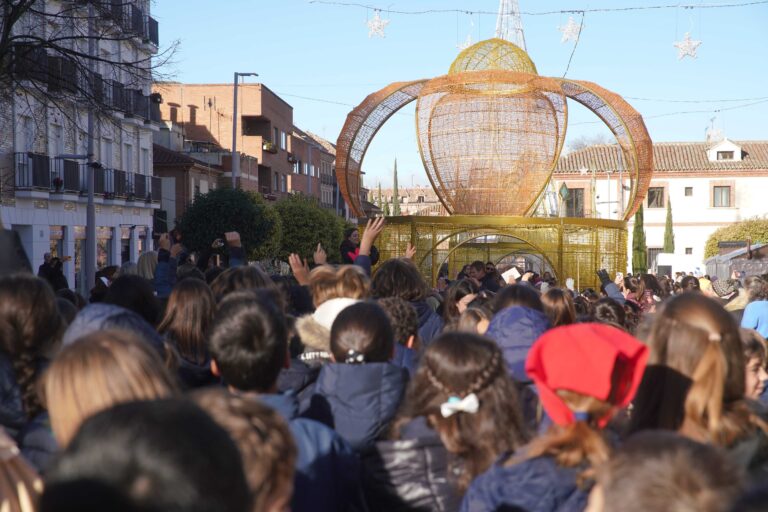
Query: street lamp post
235, 156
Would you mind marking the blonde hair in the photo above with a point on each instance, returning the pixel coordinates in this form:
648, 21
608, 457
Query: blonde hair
20, 485
146, 265
98, 371
266, 444
347, 281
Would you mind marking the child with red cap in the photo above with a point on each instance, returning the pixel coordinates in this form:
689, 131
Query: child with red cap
584, 374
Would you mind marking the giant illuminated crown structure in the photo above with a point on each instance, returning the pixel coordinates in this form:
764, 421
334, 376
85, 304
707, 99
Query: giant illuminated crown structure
490, 132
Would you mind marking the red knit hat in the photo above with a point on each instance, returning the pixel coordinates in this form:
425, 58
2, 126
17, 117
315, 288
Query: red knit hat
582, 358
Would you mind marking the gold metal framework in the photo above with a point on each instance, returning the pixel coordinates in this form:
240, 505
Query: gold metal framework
570, 247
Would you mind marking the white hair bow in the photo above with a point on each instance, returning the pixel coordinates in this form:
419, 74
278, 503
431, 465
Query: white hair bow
455, 404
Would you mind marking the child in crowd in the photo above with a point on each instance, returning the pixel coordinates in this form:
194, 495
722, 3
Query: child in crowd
400, 278
558, 306
245, 278
98, 371
457, 298
188, 315
475, 319
659, 470
696, 382
405, 325
30, 330
359, 392
266, 445
755, 375
332, 289
248, 341
461, 392
140, 456
584, 373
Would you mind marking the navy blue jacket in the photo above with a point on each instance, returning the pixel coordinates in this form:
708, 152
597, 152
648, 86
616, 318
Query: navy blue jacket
33, 436
412, 473
327, 470
194, 375
300, 379
358, 400
430, 323
535, 485
515, 329
405, 357
165, 274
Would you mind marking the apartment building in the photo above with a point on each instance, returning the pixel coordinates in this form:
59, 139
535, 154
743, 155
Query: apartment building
709, 184
44, 122
265, 127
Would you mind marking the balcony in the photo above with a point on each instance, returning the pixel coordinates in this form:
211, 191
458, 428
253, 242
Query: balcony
33, 171
140, 186
65, 176
269, 147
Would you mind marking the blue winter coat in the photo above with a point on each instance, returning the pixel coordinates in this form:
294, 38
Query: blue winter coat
535, 485
327, 470
430, 323
300, 379
33, 436
405, 357
358, 400
515, 329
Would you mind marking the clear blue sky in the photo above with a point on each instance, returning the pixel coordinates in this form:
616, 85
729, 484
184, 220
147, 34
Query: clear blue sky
309, 50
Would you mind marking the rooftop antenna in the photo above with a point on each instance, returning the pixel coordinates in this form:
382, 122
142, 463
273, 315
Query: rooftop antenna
509, 25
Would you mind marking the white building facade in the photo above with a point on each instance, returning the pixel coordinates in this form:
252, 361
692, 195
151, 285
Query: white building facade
709, 186
43, 173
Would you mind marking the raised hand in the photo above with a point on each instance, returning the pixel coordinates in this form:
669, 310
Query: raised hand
410, 252
300, 269
233, 239
320, 257
373, 229
164, 242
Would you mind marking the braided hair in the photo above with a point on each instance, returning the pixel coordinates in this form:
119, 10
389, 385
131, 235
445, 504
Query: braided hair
29, 324
456, 365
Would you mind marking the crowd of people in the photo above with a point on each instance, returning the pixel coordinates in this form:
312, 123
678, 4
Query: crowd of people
184, 384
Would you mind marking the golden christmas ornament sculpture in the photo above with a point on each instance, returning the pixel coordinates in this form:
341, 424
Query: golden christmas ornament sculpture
490, 132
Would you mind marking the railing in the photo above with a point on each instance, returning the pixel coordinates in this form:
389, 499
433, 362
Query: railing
157, 189
65, 175
30, 61
140, 186
137, 21
99, 180
33, 171
121, 183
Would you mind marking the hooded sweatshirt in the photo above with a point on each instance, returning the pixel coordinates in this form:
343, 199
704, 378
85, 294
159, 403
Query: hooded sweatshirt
515, 329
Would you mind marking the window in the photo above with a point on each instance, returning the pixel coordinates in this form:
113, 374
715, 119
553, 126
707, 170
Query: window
276, 185
174, 115
275, 133
57, 140
145, 161
725, 155
283, 140
721, 197
689, 250
296, 165
656, 197
688, 191
653, 252
284, 184
128, 157
306, 169
106, 153
574, 204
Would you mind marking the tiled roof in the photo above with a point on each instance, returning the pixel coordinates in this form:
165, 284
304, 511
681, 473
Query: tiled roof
164, 156
669, 157
327, 145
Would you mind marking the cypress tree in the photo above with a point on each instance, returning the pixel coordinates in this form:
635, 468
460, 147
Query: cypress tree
395, 195
669, 234
639, 251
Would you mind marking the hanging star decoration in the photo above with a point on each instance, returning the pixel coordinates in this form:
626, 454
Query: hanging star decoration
687, 47
376, 26
570, 31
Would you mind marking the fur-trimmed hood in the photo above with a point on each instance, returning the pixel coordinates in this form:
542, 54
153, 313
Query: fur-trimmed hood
315, 330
